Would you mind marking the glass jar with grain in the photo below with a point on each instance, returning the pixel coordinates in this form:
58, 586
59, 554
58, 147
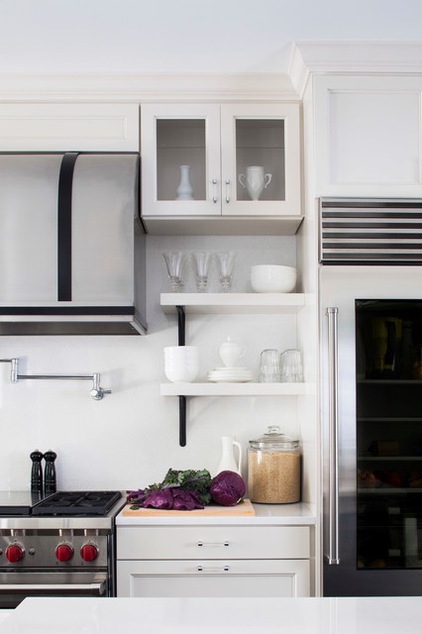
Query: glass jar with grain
274, 468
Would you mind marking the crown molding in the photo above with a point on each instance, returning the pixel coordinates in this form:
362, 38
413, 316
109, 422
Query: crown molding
352, 57
298, 71
306, 58
123, 87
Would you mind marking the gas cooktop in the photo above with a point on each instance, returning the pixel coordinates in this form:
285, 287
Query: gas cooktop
77, 503
61, 503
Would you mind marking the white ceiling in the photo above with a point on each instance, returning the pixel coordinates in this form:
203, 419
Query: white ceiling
166, 36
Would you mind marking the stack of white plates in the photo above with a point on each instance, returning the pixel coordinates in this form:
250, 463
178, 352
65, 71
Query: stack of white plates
229, 375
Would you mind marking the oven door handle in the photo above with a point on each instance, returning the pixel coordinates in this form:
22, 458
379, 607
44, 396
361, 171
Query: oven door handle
98, 587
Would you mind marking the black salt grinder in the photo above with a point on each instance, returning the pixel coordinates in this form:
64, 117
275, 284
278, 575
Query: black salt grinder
50, 472
36, 472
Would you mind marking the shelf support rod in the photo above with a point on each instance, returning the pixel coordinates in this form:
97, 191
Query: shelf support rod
182, 421
181, 323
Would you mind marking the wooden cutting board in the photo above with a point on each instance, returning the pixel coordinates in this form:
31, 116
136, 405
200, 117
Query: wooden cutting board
213, 510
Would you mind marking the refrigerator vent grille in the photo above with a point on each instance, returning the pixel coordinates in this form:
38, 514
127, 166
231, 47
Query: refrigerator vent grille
375, 231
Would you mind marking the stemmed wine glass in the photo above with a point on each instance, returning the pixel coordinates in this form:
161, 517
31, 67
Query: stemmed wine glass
201, 264
225, 263
175, 262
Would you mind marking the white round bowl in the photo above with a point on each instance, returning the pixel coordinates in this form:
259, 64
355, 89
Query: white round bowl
273, 278
181, 363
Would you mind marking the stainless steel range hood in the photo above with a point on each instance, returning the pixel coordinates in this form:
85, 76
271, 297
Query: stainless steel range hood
72, 257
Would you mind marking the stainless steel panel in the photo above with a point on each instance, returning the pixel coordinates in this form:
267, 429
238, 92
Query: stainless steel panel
28, 228
374, 230
15, 587
104, 207
340, 286
106, 240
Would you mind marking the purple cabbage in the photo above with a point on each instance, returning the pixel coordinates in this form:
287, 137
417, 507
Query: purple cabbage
168, 498
228, 488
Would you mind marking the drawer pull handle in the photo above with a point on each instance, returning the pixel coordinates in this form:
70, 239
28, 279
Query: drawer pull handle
213, 544
213, 569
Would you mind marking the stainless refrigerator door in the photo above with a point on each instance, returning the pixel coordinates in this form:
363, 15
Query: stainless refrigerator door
340, 287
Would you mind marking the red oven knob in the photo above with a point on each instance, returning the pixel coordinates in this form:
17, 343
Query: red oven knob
64, 552
89, 552
14, 553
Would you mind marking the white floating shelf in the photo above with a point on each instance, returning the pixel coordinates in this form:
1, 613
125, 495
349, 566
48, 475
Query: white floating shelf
234, 389
233, 303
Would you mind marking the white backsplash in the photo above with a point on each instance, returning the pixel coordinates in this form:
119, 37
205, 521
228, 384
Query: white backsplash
130, 438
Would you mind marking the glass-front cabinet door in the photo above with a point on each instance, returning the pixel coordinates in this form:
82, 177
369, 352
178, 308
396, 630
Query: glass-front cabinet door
260, 147
212, 160
181, 165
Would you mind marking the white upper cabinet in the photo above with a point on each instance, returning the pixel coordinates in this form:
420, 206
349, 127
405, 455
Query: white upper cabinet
89, 127
220, 167
368, 135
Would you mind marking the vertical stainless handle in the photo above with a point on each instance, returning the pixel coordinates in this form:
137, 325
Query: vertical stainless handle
214, 196
227, 184
333, 554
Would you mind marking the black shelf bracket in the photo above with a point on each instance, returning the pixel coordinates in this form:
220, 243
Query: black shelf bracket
181, 322
182, 421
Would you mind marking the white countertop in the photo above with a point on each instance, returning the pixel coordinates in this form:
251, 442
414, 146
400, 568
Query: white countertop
217, 616
265, 514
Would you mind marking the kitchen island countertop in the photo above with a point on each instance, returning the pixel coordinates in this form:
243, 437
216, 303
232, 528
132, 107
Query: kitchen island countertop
384, 615
265, 514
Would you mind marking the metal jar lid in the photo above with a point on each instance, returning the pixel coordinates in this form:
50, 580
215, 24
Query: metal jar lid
273, 440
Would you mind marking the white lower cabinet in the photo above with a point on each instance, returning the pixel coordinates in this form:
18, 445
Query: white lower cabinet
213, 561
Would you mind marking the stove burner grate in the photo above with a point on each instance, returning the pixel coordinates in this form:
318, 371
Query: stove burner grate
72, 503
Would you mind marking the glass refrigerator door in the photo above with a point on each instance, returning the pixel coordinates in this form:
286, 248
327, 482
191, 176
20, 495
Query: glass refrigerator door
389, 433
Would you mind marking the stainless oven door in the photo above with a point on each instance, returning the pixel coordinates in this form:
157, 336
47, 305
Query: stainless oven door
16, 586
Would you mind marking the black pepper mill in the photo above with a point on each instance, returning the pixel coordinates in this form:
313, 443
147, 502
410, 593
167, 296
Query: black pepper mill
36, 473
50, 472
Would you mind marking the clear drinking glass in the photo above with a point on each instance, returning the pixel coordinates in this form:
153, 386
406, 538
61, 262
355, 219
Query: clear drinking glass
225, 263
269, 368
201, 264
175, 262
291, 366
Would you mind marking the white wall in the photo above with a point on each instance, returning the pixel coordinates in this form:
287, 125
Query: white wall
228, 36
130, 438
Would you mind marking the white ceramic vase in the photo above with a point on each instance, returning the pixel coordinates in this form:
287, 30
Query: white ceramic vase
184, 190
255, 181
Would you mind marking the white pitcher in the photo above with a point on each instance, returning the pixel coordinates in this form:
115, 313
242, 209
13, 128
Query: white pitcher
228, 460
255, 181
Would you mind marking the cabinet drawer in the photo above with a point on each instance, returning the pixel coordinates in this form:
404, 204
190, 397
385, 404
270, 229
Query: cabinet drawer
213, 542
227, 578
